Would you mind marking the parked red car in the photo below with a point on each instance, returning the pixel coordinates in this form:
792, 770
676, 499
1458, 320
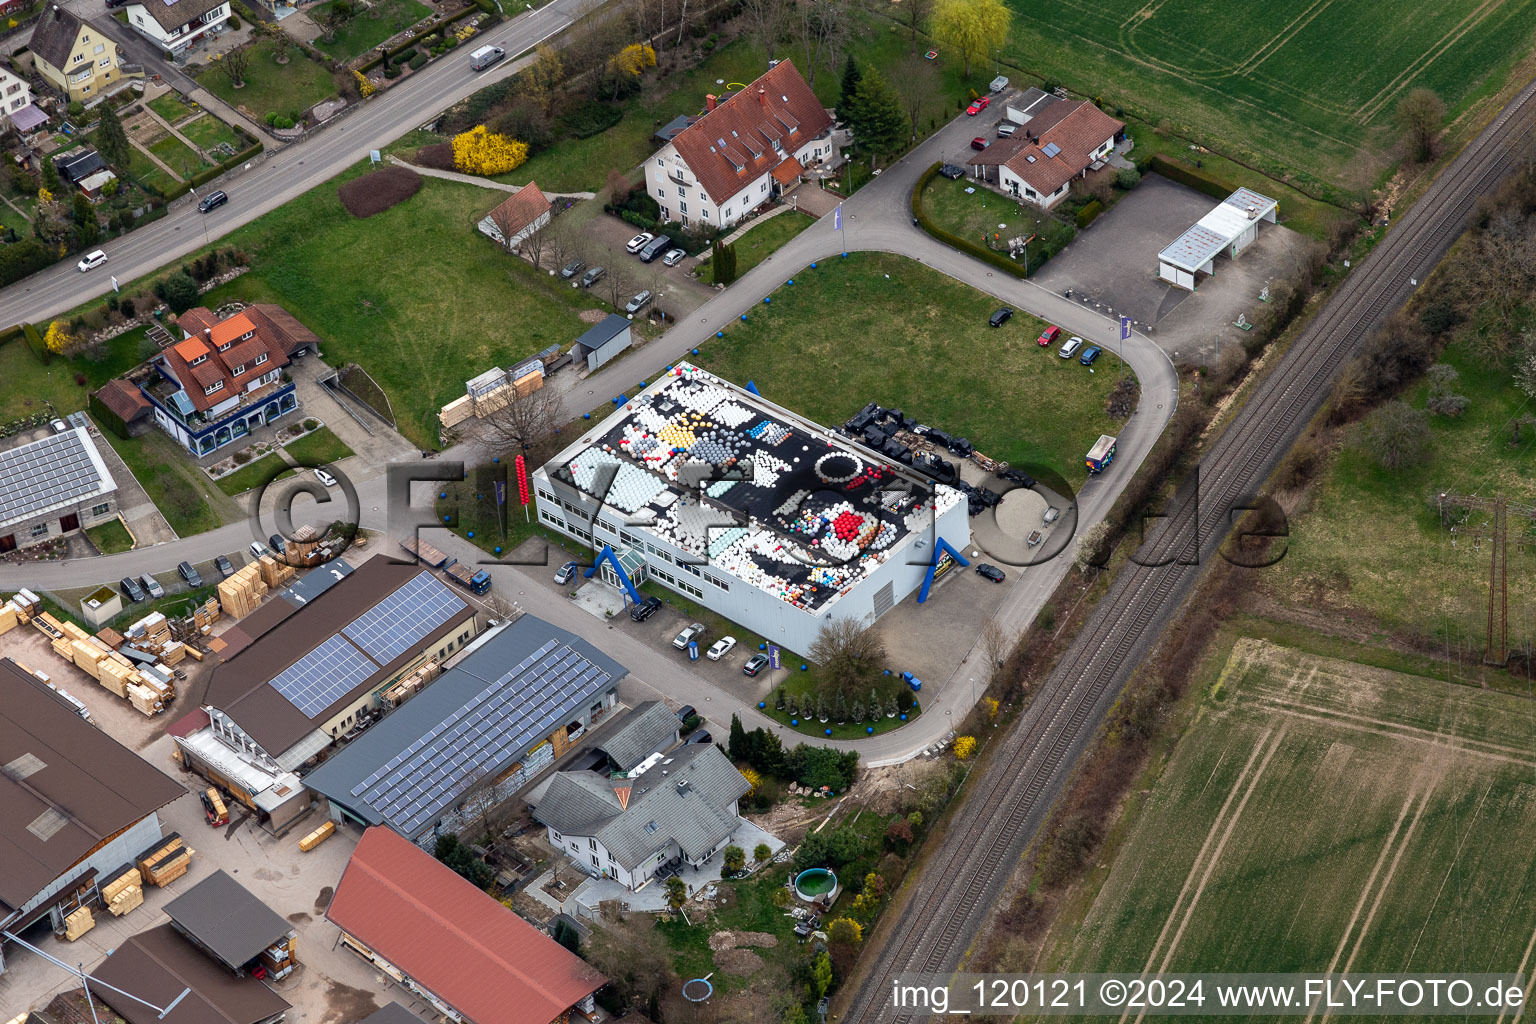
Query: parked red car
1049, 335
978, 105
980, 143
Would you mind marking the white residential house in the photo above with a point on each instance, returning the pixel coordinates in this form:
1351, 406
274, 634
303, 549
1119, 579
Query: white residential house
15, 94
747, 148
1039, 162
176, 26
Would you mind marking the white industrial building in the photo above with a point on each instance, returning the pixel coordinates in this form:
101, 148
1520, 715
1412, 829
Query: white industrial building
1230, 228
766, 518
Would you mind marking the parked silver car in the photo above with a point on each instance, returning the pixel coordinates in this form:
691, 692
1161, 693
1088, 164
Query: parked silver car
639, 302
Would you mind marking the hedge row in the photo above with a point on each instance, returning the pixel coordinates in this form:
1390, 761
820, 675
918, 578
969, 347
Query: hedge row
955, 241
35, 343
374, 62
1195, 178
10, 334
1090, 210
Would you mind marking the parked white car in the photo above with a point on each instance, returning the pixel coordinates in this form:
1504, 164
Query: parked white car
674, 257
92, 260
639, 242
325, 478
720, 648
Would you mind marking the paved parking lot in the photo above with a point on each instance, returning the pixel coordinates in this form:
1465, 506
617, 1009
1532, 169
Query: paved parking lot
1113, 266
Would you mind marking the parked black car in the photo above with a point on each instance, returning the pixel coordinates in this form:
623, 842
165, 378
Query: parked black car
702, 736
1000, 317
686, 712
225, 567
645, 609
952, 172
131, 589
189, 573
990, 572
277, 544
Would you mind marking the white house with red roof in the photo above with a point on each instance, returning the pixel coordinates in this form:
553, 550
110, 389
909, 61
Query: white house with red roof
1062, 142
747, 148
225, 377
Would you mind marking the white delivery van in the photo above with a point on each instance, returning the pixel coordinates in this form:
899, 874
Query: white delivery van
486, 56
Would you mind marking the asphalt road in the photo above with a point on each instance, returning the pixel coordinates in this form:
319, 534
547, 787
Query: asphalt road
285, 174
876, 218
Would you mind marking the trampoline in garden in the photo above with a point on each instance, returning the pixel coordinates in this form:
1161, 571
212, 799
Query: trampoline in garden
698, 990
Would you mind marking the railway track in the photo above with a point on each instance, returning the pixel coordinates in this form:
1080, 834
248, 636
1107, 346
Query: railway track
1008, 803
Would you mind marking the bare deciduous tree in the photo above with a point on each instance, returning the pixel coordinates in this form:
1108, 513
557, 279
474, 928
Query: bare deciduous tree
994, 643
535, 244
766, 21
525, 421
822, 28
235, 64
1420, 114
563, 240
850, 653
917, 83
916, 14
619, 282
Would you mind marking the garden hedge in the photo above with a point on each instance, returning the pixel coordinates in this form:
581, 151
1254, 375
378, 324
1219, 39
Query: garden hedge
1195, 178
955, 241
35, 343
1090, 210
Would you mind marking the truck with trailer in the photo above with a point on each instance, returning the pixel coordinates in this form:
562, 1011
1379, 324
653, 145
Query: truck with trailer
1101, 454
476, 581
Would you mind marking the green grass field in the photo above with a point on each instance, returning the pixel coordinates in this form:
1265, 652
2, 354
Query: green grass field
1324, 814
208, 131
190, 502
252, 474
319, 448
918, 341
412, 295
175, 155
371, 27
110, 537
982, 213
171, 107
28, 382
269, 86
1299, 85
1371, 541
764, 240
147, 173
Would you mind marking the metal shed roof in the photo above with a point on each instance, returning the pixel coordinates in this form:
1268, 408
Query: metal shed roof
228, 919
1216, 230
50, 473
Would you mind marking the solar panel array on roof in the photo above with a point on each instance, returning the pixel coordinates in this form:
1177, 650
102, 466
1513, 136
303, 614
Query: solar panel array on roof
1050, 149
45, 473
498, 722
321, 677
401, 620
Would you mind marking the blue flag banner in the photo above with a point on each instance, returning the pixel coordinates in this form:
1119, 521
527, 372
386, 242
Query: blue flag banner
837, 218
1125, 328
773, 655
501, 492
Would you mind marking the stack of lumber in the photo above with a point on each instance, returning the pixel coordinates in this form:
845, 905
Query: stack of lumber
173, 653
116, 674
48, 625
78, 923
86, 654
164, 863
124, 892
27, 605
9, 617
273, 573
145, 700
194, 654
241, 593
205, 615
317, 837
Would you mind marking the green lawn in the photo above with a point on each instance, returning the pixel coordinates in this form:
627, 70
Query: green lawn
583, 164
13, 220
110, 537
882, 328
171, 107
319, 448
28, 382
764, 240
208, 131
371, 27
288, 89
413, 295
147, 173
1371, 541
185, 496
1291, 86
175, 155
982, 214
1305, 793
253, 474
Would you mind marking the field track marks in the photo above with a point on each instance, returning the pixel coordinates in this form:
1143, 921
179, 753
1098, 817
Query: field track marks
1370, 883
1465, 835
1269, 747
1284, 36
1393, 730
1435, 774
1524, 962
1142, 13
1373, 106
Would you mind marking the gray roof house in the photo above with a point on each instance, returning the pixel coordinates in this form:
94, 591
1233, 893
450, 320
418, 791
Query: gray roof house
649, 728
55, 485
603, 341
520, 697
682, 810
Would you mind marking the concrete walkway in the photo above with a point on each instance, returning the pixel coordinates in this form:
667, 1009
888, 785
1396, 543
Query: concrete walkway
475, 179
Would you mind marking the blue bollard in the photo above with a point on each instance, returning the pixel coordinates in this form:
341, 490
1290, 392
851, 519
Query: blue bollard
827, 731
794, 721
903, 718
813, 266
498, 551
471, 533
845, 255
642, 383
743, 318
791, 280
695, 351
762, 704
447, 519
496, 459
762, 647
767, 299
802, 668
869, 730
442, 494
718, 334
586, 415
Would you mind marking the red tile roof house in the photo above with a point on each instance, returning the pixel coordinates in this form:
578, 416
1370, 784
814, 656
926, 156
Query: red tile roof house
1039, 162
720, 168
451, 944
224, 379
520, 215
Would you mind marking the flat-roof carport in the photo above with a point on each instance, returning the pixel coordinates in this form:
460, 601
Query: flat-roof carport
1230, 227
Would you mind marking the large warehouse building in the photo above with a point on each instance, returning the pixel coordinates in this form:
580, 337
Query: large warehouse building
770, 520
